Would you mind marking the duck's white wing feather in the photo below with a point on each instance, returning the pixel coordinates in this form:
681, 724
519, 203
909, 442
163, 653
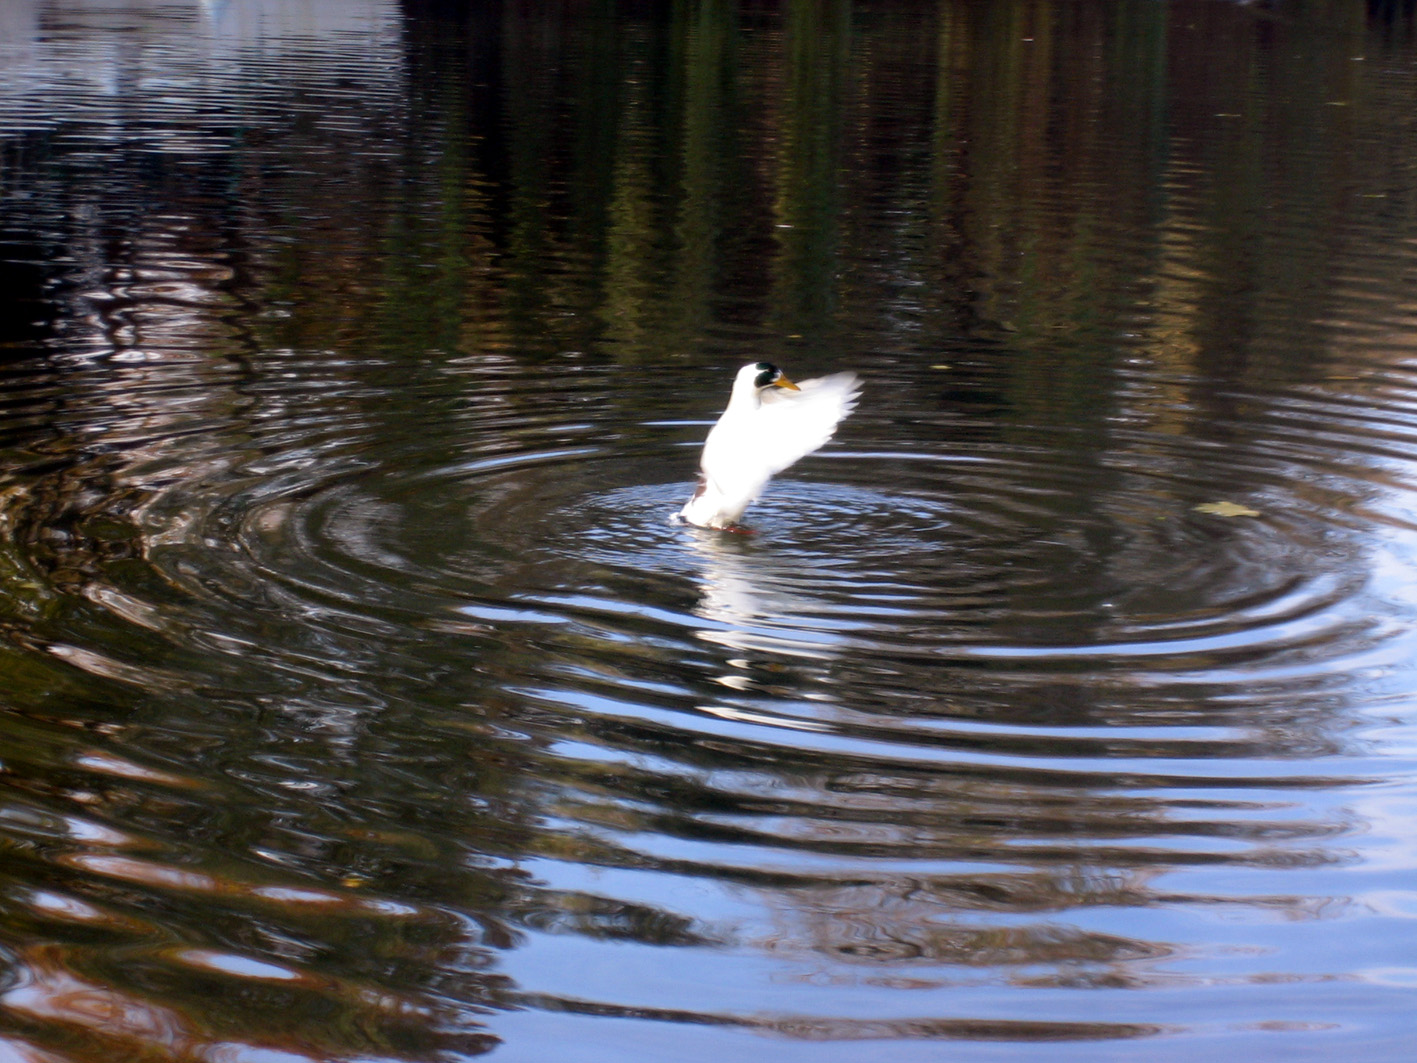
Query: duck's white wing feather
795, 423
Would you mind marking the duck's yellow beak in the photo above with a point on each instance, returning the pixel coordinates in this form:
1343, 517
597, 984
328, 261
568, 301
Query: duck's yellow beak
783, 382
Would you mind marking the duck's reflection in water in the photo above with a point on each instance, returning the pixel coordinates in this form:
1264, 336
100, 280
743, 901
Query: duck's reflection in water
782, 633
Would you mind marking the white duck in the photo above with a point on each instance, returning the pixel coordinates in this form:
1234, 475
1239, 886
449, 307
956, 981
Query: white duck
770, 423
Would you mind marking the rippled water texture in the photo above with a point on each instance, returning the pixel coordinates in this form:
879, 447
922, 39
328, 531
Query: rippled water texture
359, 700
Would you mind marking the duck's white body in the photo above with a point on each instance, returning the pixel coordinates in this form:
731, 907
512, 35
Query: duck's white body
770, 423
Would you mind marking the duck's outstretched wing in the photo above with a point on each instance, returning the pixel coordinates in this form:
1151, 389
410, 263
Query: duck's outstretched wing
792, 424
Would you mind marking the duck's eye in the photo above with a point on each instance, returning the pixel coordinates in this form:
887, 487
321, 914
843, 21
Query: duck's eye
767, 373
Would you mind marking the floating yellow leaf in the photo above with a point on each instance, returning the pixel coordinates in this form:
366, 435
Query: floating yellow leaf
1227, 509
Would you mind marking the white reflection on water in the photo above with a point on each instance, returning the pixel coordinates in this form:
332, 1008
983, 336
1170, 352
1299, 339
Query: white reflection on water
758, 606
62, 60
757, 602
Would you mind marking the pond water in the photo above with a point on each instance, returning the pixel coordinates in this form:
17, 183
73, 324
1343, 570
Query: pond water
360, 702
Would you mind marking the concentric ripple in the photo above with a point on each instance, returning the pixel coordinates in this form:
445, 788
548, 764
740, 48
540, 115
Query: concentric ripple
1020, 615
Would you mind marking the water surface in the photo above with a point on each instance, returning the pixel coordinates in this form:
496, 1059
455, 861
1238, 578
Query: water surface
361, 701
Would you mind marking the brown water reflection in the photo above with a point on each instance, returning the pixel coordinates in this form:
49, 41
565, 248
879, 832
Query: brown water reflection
360, 702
